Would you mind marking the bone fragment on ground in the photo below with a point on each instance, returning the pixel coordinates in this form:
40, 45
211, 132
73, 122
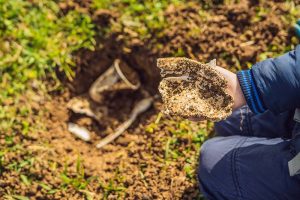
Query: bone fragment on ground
81, 106
79, 132
84, 106
139, 108
118, 77
191, 89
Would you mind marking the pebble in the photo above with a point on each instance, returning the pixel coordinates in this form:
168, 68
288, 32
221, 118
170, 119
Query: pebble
79, 131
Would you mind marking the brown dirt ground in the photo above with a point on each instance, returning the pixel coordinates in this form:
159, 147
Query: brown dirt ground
136, 160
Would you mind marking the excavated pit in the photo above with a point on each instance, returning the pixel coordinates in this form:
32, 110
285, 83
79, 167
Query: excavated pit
191, 89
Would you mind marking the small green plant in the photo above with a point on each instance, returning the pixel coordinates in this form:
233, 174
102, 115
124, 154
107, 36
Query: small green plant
25, 179
110, 188
114, 186
154, 126
48, 188
79, 181
2, 153
15, 197
19, 165
261, 13
189, 170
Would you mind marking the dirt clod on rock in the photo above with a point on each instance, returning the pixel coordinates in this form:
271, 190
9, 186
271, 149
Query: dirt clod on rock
191, 89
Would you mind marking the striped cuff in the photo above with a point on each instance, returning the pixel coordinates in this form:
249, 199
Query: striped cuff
250, 91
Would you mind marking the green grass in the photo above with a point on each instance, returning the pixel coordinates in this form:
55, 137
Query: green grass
184, 140
112, 187
182, 143
137, 20
15, 197
78, 181
36, 40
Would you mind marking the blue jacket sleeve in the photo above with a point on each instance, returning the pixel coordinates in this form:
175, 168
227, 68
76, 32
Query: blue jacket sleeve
273, 84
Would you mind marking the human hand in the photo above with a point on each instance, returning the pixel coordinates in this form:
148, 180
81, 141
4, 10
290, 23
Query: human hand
233, 87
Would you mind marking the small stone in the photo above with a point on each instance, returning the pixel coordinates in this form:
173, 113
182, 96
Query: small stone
79, 132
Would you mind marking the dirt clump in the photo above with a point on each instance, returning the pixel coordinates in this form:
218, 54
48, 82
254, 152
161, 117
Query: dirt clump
191, 89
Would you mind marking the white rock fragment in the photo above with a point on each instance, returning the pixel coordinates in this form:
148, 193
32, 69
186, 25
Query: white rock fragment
79, 131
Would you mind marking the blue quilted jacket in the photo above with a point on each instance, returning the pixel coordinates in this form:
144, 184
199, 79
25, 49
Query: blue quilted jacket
274, 84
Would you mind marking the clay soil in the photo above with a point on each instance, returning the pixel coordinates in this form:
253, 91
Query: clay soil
152, 159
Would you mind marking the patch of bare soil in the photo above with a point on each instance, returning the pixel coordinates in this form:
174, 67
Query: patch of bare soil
135, 161
190, 89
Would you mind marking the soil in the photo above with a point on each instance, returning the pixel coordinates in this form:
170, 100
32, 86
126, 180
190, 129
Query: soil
235, 34
135, 161
190, 89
